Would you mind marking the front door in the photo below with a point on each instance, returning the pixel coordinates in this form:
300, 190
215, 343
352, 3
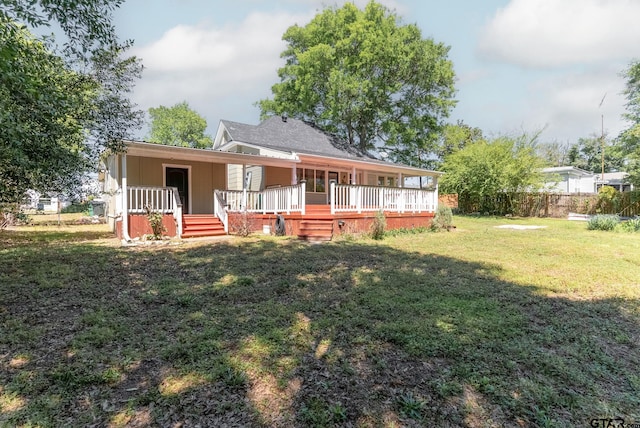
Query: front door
179, 177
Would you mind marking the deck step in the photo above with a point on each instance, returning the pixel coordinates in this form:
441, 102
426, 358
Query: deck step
199, 225
316, 230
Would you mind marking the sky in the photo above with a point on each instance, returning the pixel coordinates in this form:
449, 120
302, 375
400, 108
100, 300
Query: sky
553, 66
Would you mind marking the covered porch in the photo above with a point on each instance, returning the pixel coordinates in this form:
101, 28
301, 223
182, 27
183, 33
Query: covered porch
283, 210
201, 192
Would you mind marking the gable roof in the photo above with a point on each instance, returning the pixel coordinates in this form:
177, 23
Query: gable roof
289, 138
294, 136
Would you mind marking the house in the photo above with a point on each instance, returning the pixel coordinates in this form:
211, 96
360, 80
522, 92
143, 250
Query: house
617, 180
284, 172
568, 179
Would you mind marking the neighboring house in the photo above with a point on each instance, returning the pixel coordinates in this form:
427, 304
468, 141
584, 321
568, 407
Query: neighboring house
44, 203
285, 172
617, 180
568, 179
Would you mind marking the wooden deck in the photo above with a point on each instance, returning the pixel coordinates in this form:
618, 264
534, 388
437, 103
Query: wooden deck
318, 224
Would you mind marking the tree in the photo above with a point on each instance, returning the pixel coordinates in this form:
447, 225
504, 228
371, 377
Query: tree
58, 112
587, 154
555, 153
362, 75
453, 138
630, 137
86, 23
483, 169
178, 126
43, 105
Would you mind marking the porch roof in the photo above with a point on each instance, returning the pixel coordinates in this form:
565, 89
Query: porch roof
381, 166
139, 148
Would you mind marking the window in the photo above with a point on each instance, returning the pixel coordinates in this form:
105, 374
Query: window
315, 178
387, 180
319, 181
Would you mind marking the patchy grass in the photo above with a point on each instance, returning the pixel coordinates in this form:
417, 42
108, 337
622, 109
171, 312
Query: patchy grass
475, 327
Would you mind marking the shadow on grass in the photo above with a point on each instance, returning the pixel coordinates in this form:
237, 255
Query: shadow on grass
280, 333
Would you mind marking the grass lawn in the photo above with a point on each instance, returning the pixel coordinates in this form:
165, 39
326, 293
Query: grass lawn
477, 327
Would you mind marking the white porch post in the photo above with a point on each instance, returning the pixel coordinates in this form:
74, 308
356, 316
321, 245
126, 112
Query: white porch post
332, 197
435, 193
400, 180
354, 179
303, 196
294, 175
125, 201
244, 187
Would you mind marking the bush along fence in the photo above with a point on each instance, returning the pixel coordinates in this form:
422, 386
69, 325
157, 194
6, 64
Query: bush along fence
624, 204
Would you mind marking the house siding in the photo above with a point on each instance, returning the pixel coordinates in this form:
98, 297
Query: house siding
277, 176
205, 177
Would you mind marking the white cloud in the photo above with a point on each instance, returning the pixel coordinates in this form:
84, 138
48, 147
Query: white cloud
548, 33
219, 71
570, 105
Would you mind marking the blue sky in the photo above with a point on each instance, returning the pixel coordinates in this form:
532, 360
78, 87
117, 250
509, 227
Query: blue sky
521, 65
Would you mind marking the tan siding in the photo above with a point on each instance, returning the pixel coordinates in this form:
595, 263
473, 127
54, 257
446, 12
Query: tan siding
133, 171
277, 176
205, 177
316, 198
219, 177
151, 172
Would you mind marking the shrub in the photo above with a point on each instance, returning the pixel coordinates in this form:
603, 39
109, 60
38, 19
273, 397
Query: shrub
378, 226
608, 200
443, 220
632, 225
155, 221
11, 215
243, 223
603, 222
76, 208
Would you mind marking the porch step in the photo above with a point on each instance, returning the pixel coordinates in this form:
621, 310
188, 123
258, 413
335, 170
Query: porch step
316, 230
198, 225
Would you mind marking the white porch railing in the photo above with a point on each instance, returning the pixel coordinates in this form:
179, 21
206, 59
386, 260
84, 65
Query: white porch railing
219, 209
164, 200
353, 198
277, 200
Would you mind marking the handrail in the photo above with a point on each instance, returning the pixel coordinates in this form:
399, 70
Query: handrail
220, 209
350, 198
164, 200
177, 212
158, 199
285, 199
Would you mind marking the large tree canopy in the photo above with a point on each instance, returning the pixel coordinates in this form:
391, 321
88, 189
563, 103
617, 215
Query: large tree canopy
42, 109
58, 112
362, 75
86, 23
587, 154
178, 126
630, 138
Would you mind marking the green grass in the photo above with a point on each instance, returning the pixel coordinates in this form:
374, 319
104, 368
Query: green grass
475, 327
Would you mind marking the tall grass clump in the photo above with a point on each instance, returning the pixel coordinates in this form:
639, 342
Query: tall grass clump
378, 226
603, 222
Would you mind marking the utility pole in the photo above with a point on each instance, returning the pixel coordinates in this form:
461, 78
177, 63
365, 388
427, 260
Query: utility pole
602, 144
602, 138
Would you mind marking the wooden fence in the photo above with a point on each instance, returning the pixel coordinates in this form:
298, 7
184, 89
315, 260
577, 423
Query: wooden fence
625, 204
